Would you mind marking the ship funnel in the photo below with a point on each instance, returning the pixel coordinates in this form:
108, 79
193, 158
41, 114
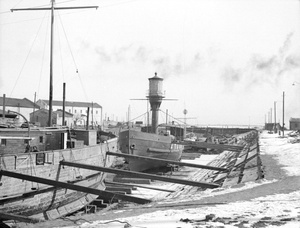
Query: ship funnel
155, 98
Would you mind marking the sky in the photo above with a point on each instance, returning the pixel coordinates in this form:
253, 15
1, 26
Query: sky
225, 61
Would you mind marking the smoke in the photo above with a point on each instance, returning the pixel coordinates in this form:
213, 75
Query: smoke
261, 70
165, 63
103, 56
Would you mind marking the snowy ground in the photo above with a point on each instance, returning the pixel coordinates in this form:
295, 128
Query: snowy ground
272, 202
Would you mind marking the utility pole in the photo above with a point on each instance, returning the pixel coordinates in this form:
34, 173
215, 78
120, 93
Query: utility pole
283, 114
64, 104
275, 128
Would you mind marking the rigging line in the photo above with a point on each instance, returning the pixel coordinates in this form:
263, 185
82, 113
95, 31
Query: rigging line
61, 60
27, 56
172, 116
43, 58
38, 18
138, 117
12, 8
67, 41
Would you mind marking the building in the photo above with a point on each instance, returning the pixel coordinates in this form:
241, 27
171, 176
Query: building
41, 116
294, 124
22, 106
78, 110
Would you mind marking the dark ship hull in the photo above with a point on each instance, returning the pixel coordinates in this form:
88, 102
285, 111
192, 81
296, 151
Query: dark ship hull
148, 145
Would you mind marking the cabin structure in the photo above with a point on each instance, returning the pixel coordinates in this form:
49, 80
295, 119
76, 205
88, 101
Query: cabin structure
78, 110
23, 106
40, 118
294, 124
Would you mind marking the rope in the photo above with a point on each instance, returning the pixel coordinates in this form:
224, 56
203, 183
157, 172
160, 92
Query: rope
27, 56
43, 58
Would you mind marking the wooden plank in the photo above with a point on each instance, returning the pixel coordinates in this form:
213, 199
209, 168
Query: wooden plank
142, 175
73, 187
7, 216
139, 186
166, 161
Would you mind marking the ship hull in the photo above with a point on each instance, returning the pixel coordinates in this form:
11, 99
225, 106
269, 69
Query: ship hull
148, 145
44, 202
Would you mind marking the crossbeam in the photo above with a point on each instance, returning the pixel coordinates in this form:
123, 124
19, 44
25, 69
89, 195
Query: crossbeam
8, 216
141, 175
233, 148
166, 161
55, 8
74, 187
137, 185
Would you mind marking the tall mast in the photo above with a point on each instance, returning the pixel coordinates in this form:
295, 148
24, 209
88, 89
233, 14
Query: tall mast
51, 67
52, 8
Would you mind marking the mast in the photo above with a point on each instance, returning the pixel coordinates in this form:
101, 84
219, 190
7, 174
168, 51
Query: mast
52, 8
51, 66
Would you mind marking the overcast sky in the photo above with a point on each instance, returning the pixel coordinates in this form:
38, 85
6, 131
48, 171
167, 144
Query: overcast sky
226, 61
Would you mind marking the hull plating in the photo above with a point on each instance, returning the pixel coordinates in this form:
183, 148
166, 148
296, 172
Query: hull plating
148, 145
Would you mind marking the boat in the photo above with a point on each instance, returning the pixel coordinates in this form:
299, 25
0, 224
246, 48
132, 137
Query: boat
37, 153
42, 159
152, 144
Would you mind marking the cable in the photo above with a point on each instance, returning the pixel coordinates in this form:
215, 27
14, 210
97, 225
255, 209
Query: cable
43, 58
59, 44
27, 56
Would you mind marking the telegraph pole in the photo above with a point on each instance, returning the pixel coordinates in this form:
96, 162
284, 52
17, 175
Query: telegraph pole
283, 114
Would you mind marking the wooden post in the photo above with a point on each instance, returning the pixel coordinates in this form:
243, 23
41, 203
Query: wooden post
3, 115
64, 104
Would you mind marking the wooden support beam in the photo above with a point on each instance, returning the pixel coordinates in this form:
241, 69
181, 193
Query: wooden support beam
142, 175
234, 148
20, 218
73, 187
166, 161
138, 185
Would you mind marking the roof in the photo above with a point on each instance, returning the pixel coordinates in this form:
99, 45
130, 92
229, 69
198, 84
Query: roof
294, 119
60, 113
74, 104
16, 102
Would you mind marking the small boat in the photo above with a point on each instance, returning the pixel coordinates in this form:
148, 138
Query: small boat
153, 144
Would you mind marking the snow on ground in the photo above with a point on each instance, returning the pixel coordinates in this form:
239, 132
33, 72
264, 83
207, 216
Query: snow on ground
274, 210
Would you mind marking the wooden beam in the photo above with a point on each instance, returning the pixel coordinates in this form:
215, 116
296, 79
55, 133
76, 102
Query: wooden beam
73, 187
137, 185
8, 216
141, 175
166, 161
234, 148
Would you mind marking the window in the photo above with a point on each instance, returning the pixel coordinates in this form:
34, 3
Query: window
96, 112
3, 142
75, 111
80, 111
41, 139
